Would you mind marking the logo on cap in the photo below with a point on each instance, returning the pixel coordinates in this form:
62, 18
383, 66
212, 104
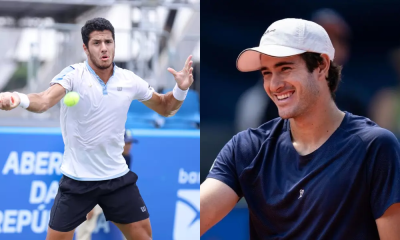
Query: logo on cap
269, 30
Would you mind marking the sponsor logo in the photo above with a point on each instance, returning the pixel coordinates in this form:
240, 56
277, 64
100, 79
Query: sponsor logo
301, 193
188, 177
269, 31
187, 215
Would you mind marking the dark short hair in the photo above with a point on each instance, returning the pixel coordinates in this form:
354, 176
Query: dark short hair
313, 60
96, 24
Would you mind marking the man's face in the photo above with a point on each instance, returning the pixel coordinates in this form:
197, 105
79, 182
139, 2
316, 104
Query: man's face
101, 49
290, 85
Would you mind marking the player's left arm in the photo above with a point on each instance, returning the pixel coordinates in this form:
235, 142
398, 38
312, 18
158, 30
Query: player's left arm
389, 223
383, 177
168, 104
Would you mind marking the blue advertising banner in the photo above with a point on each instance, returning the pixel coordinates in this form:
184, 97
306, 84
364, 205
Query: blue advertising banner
166, 161
223, 230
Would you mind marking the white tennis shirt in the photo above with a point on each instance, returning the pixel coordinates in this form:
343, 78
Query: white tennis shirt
93, 130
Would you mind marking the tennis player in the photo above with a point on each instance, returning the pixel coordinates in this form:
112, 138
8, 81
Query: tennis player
94, 170
315, 172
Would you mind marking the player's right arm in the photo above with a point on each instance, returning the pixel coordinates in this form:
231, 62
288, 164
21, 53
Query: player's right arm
38, 102
216, 200
220, 192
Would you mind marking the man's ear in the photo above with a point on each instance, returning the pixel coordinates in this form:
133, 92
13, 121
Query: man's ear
323, 68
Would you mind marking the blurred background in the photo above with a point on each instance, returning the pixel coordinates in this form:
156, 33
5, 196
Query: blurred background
366, 39
39, 38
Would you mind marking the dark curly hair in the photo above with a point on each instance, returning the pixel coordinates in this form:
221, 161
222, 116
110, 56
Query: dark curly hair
96, 24
313, 60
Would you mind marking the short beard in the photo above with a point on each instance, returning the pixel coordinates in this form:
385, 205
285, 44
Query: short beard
97, 65
306, 103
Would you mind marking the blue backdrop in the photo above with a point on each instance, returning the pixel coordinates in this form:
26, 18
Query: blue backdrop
166, 161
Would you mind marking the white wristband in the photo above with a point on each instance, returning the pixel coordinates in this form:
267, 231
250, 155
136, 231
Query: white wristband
24, 103
179, 94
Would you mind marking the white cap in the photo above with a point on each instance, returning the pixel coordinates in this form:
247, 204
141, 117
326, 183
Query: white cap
287, 37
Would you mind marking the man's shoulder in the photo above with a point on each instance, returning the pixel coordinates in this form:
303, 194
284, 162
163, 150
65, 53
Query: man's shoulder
368, 131
122, 70
74, 67
256, 136
78, 66
245, 145
126, 74
68, 70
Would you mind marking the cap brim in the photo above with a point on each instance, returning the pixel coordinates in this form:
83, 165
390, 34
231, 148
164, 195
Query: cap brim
249, 60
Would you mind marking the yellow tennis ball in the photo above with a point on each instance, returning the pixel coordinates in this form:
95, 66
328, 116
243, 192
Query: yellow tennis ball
71, 99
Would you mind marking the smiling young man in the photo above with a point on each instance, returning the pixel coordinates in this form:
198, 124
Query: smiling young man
315, 172
94, 170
